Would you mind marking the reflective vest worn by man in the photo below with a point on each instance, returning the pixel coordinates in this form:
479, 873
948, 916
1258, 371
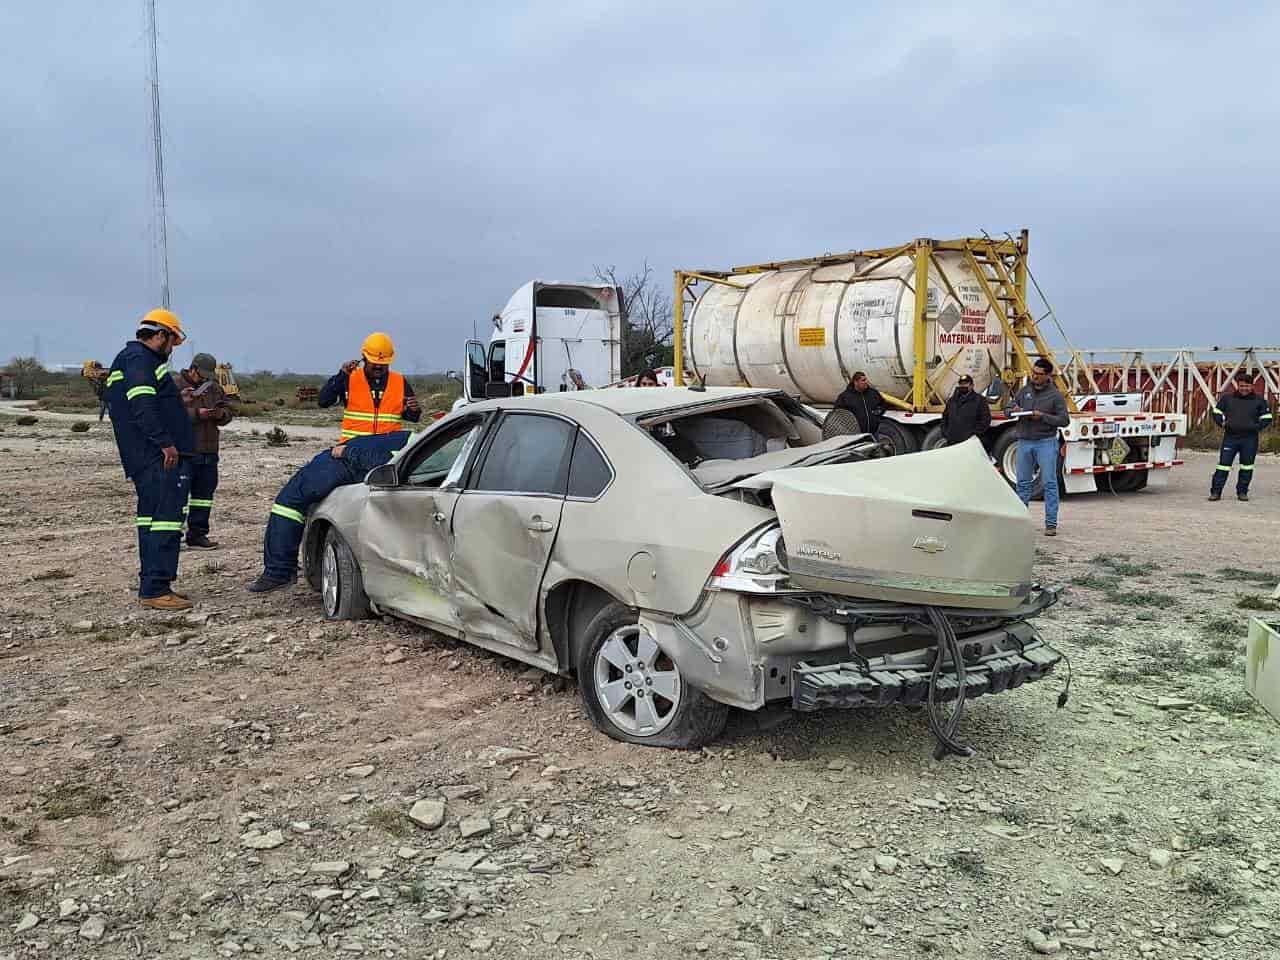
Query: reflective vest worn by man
328, 470
153, 434
376, 399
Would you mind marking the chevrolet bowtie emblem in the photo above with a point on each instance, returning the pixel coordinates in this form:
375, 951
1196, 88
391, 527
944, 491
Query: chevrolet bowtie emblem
930, 544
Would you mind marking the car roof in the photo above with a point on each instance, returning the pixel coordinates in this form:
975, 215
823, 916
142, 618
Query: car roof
624, 401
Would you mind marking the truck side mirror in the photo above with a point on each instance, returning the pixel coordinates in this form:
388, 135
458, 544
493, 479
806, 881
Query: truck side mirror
383, 477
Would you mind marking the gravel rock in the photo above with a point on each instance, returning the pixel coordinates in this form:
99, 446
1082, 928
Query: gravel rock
67, 908
396, 656
1113, 865
93, 929
463, 791
1041, 943
361, 771
428, 814
886, 864
263, 841
1160, 859
331, 868
27, 922
459, 859
511, 755
1223, 929
474, 827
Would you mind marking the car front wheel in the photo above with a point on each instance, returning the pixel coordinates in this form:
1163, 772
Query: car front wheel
633, 690
341, 586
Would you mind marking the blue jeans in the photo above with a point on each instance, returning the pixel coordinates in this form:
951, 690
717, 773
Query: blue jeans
1244, 444
1042, 453
162, 495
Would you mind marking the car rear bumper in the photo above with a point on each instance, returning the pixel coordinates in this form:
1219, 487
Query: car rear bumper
1010, 659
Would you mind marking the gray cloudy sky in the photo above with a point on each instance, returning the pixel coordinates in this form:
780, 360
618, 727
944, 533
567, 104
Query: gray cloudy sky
339, 167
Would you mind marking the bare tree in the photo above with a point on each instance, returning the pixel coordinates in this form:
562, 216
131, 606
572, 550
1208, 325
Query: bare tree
28, 373
648, 321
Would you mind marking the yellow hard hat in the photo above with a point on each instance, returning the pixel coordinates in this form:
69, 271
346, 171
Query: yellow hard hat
161, 319
378, 348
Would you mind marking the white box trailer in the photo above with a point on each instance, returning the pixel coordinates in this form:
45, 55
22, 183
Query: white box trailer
805, 326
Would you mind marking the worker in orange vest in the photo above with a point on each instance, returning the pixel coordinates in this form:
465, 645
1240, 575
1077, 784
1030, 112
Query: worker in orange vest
376, 398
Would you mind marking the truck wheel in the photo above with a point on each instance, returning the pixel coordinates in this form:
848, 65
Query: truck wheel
1127, 481
341, 586
897, 438
933, 438
1005, 452
634, 692
840, 423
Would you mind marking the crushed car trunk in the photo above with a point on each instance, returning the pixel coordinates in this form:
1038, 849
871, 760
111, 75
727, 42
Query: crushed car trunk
939, 528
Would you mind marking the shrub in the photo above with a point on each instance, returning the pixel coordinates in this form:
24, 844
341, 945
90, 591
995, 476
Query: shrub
80, 426
277, 437
27, 421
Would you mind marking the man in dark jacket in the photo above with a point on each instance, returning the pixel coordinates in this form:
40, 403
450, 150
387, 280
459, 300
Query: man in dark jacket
207, 406
1041, 410
1242, 415
863, 401
347, 463
153, 435
966, 413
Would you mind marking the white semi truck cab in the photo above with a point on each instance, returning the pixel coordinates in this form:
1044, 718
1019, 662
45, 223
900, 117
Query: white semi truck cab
549, 337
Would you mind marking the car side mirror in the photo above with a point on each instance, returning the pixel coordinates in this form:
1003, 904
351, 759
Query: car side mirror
383, 477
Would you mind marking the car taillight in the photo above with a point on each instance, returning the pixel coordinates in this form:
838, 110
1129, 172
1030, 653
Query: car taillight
756, 565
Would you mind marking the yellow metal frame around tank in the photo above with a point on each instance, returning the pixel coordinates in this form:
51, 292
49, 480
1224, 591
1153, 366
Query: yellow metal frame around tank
1000, 266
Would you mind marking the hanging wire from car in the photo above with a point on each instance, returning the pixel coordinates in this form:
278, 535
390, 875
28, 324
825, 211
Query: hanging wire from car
944, 729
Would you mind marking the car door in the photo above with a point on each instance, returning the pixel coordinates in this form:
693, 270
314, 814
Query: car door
404, 530
505, 525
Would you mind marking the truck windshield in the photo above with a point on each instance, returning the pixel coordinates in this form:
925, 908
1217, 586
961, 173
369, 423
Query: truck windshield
566, 297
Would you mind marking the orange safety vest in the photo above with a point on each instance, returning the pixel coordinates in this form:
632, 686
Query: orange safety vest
365, 418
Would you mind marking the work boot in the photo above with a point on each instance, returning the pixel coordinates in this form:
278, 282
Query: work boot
1050, 531
265, 584
1242, 496
170, 601
201, 541
1215, 496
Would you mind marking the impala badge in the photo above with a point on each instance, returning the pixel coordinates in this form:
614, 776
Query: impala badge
930, 544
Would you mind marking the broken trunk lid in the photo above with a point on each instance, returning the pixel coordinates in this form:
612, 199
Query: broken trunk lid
758, 473
939, 527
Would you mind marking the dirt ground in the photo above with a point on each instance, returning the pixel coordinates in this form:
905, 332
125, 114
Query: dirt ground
238, 781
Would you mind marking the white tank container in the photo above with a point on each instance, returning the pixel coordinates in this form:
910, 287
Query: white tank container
807, 330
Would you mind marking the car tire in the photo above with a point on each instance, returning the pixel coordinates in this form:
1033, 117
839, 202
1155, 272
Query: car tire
933, 438
341, 587
897, 438
685, 719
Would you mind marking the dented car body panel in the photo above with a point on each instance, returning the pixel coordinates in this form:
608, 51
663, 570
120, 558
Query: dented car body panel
686, 506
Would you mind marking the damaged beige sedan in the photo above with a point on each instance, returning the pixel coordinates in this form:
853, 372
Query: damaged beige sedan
686, 551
